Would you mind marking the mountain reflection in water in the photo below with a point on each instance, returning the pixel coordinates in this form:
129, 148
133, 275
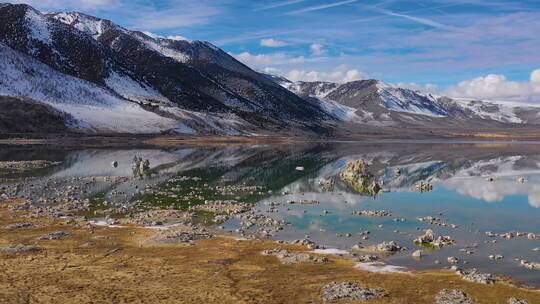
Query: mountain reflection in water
477, 187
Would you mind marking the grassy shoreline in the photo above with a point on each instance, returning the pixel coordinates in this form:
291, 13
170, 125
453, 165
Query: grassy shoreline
121, 265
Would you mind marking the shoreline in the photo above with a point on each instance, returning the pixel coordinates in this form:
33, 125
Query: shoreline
118, 140
100, 264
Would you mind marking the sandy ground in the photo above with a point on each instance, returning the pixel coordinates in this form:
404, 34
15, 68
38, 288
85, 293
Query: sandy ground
119, 265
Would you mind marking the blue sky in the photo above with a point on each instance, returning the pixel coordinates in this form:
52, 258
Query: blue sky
484, 48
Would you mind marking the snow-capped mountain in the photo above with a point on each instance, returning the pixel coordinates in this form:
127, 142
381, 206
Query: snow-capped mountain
170, 85
374, 101
97, 76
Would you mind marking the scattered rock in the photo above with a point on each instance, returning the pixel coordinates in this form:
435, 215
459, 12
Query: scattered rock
19, 225
446, 296
57, 235
327, 184
19, 249
372, 213
389, 247
436, 221
187, 233
517, 301
349, 291
452, 260
530, 265
288, 257
495, 257
424, 187
430, 239
473, 275
305, 242
417, 254
367, 258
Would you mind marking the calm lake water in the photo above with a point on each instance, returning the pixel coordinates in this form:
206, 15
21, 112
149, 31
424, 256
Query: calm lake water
475, 186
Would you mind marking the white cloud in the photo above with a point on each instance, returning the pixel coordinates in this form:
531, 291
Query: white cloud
271, 71
177, 37
156, 36
297, 60
260, 61
340, 74
271, 42
317, 49
535, 80
498, 87
152, 35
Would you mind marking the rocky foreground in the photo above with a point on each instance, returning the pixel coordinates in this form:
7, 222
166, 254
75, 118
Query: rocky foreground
51, 260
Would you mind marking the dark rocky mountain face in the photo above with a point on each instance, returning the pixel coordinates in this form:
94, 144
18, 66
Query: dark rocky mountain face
26, 116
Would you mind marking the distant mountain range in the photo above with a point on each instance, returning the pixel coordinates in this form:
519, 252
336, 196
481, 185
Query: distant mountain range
86, 74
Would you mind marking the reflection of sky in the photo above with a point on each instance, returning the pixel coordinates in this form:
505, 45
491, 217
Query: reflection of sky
470, 180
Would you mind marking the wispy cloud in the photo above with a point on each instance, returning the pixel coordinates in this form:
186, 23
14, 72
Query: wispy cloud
424, 21
171, 17
320, 7
277, 5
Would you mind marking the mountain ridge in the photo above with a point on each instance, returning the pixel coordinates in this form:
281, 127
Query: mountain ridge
109, 79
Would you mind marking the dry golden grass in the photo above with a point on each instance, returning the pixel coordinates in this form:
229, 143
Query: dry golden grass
119, 267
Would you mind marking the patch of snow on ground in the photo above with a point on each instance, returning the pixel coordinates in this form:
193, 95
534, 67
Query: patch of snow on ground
133, 90
380, 267
94, 108
333, 251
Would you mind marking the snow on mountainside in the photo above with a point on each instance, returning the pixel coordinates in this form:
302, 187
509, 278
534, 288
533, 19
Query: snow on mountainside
93, 108
84, 23
362, 98
39, 27
511, 112
199, 76
134, 91
408, 101
162, 46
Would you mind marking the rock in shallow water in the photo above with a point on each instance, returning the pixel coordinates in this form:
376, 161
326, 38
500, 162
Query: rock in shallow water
349, 291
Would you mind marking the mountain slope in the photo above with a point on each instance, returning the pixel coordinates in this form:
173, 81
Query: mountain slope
199, 86
373, 101
199, 67
92, 107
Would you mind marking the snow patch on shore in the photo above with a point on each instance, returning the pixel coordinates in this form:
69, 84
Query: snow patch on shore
380, 267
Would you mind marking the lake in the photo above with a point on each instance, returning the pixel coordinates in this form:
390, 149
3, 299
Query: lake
479, 190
